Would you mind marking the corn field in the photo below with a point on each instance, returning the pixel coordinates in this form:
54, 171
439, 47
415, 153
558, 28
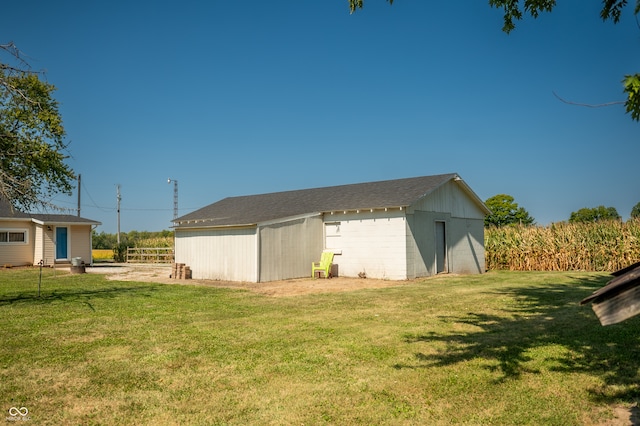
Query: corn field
154, 242
599, 246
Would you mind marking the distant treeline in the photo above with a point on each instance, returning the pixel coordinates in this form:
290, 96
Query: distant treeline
132, 239
606, 245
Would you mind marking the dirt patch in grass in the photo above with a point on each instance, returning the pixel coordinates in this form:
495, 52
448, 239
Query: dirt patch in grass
624, 416
161, 274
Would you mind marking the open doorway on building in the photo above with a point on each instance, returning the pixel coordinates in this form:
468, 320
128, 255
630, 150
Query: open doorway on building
441, 248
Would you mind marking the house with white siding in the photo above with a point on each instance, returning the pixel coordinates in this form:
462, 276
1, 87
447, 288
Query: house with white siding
28, 239
395, 229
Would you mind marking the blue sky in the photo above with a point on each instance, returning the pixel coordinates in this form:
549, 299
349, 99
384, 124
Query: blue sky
247, 97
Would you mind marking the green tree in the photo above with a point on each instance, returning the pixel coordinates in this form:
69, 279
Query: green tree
32, 159
594, 214
103, 241
505, 211
635, 211
515, 9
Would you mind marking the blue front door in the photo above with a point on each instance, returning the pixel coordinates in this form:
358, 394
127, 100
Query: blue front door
61, 243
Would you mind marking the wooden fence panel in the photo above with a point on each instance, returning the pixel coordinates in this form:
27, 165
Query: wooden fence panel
150, 255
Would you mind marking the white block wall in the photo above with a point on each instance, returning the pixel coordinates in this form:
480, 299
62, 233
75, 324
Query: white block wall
370, 243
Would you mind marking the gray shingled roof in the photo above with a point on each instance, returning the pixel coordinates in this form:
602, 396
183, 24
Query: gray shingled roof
7, 213
253, 209
62, 218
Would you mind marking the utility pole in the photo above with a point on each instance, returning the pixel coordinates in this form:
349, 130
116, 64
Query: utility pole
79, 180
118, 210
175, 197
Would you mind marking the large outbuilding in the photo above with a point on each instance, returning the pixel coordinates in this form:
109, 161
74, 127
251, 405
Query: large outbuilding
28, 239
395, 229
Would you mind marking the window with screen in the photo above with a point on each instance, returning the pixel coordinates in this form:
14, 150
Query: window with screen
13, 236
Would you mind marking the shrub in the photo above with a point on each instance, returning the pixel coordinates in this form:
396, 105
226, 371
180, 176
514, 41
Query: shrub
120, 252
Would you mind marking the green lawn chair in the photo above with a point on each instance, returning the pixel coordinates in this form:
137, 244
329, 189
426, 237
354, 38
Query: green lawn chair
324, 265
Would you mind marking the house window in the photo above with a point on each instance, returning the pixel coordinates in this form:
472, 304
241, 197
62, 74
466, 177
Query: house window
13, 236
332, 235
332, 229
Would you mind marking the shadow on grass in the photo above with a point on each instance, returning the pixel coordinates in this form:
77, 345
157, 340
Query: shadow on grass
539, 317
79, 295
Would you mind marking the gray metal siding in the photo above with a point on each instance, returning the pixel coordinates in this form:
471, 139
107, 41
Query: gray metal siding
464, 232
218, 254
421, 242
449, 198
464, 244
288, 248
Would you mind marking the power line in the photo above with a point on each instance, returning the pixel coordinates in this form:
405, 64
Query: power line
112, 209
106, 209
84, 187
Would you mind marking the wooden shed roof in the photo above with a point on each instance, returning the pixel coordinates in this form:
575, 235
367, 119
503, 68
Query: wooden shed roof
619, 299
254, 209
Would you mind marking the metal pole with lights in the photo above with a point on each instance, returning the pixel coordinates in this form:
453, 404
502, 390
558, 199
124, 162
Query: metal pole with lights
175, 197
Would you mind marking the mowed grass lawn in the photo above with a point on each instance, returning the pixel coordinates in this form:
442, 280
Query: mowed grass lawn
501, 348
